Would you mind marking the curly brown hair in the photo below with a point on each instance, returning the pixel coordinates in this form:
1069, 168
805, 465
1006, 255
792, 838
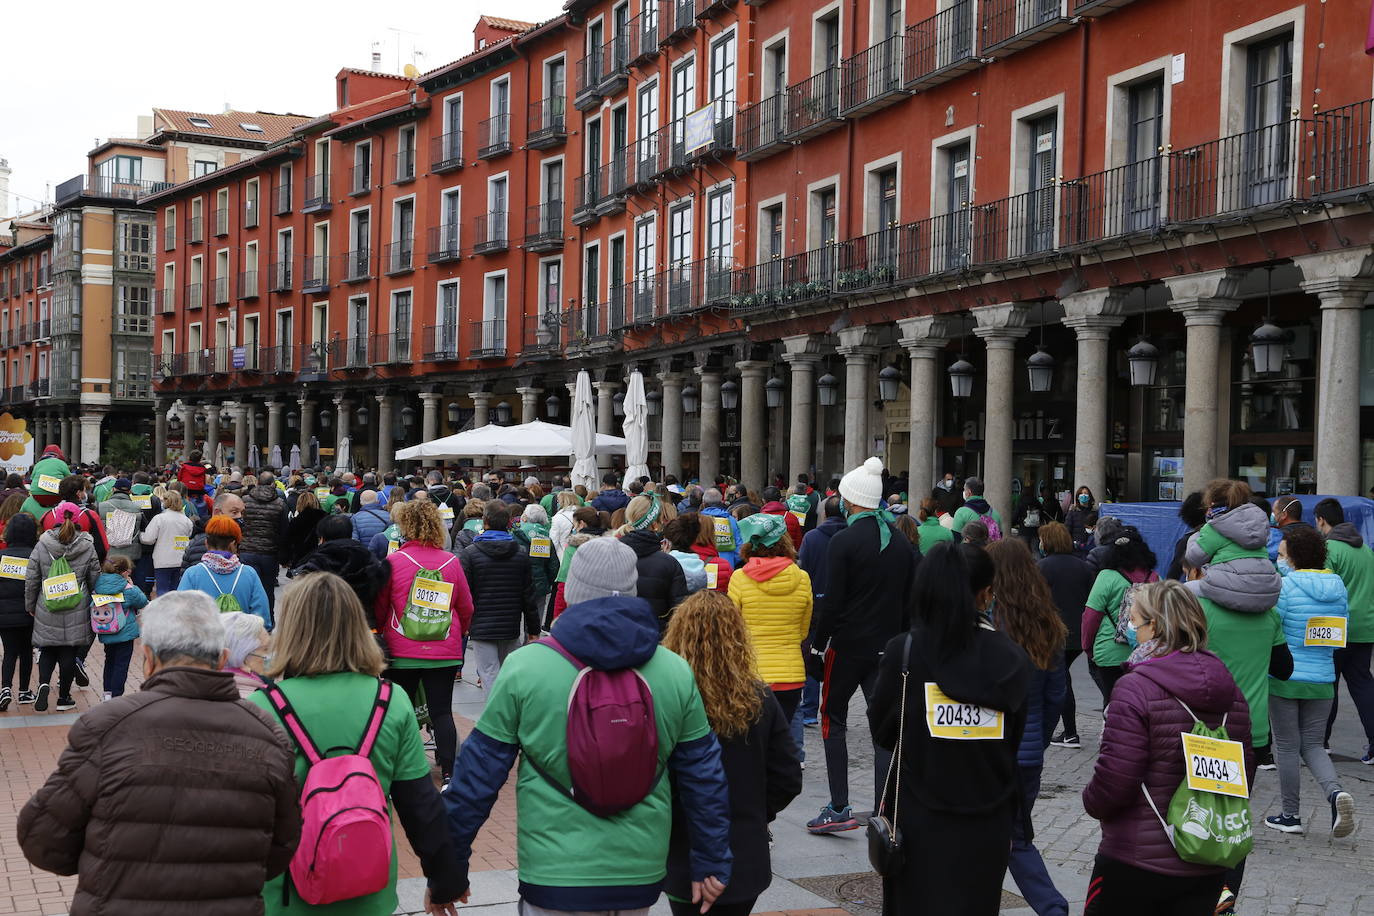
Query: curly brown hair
419, 521
1026, 611
708, 631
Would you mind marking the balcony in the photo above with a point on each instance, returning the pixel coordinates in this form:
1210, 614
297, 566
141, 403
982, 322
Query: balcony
787, 281
591, 322
1016, 228
252, 209
678, 19
165, 300
283, 199
940, 48
1341, 149
489, 233
276, 360
879, 261
487, 339
194, 296
587, 81
248, 284
357, 265
39, 388
446, 152
108, 187
708, 8
643, 162
439, 343
316, 359
400, 256
541, 335
195, 229
1246, 172
28, 281
813, 105
316, 194
280, 276
1097, 7
641, 303
613, 183
169, 237
356, 353
544, 227
42, 330
643, 35
585, 190
1114, 203
762, 128
390, 349
316, 278
219, 291
404, 165
443, 244
360, 179
1010, 25
221, 221
548, 125
874, 78
615, 73
493, 137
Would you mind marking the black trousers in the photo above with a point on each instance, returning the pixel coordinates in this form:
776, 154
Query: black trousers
742, 908
63, 658
18, 651
1118, 889
1069, 709
844, 674
438, 683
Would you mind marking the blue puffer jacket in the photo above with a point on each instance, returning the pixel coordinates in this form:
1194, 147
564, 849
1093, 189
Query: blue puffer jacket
731, 556
1310, 593
1044, 702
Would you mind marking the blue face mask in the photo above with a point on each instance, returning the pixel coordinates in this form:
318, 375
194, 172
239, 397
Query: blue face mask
1083, 499
1284, 566
1273, 522
1132, 639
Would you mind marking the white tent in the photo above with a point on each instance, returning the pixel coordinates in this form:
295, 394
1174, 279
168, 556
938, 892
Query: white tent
584, 433
533, 439
636, 429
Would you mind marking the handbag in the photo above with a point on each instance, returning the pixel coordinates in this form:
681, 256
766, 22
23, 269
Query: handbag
885, 852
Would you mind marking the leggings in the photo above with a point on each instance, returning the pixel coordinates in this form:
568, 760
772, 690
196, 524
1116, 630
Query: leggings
63, 658
1106, 680
438, 684
844, 674
1118, 889
18, 643
1069, 709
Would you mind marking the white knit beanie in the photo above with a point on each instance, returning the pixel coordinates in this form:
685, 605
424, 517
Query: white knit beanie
863, 486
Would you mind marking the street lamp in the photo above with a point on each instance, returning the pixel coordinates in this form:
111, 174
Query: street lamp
503, 413
826, 387
1144, 360
1041, 369
961, 378
653, 403
453, 413
408, 415
729, 394
618, 404
293, 419
773, 390
551, 407
1269, 341
326, 418
889, 381
363, 415
690, 399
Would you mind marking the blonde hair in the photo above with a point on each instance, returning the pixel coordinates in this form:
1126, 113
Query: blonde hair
306, 499
1179, 621
419, 521
708, 630
568, 498
639, 507
172, 500
321, 629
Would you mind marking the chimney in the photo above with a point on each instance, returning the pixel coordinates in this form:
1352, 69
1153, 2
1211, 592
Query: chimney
376, 60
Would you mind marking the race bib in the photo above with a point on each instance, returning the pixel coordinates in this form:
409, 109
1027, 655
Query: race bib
392, 547
55, 588
321, 492
712, 575
432, 594
105, 600
1215, 765
541, 547
445, 512
181, 541
14, 568
47, 483
1325, 631
144, 501
948, 718
800, 517
722, 531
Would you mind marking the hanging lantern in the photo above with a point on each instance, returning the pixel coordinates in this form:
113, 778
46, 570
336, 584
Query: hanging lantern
618, 404
774, 390
827, 387
1041, 369
653, 403
326, 418
408, 416
503, 413
453, 413
363, 415
889, 381
729, 394
259, 420
1144, 361
551, 406
293, 420
961, 378
1268, 345
690, 399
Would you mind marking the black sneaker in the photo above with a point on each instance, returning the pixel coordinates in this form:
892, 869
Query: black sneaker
41, 703
65, 703
1342, 814
5, 698
832, 821
80, 676
1066, 740
1285, 822
26, 697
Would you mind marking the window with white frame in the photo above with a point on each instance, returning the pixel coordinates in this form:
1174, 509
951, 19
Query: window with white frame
448, 319
357, 330
494, 313
645, 262
401, 301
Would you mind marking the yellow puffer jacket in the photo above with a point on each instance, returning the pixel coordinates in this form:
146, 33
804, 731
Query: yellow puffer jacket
777, 611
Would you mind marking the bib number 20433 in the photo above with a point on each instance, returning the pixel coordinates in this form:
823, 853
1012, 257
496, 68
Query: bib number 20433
950, 719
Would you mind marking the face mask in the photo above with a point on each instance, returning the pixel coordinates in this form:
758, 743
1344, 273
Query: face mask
1132, 639
1273, 522
1083, 499
1284, 566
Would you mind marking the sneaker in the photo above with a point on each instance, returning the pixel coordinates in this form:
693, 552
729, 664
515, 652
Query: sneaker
80, 675
1226, 904
65, 703
5, 698
1342, 814
1063, 739
1264, 758
1286, 822
811, 722
1368, 758
832, 821
771, 841
106, 697
40, 704
26, 697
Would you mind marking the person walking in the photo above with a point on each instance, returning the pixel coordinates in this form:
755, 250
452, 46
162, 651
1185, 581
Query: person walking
1025, 611
500, 578
811, 557
325, 673
1312, 607
953, 800
571, 859
611, 496
724, 527
760, 760
116, 595
185, 722
930, 532
370, 518
977, 509
562, 526
169, 533
61, 633
16, 623
681, 534
1129, 562
339, 554
301, 535
1071, 581
248, 648
869, 570
223, 576
1193, 514
423, 653
1173, 681
531, 532
1350, 558
1034, 510
1078, 519
264, 530
73, 491
662, 581
123, 521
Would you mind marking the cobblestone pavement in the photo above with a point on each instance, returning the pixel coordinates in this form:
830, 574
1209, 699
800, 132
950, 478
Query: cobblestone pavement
1285, 876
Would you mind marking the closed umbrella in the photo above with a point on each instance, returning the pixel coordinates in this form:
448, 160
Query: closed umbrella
295, 457
254, 455
219, 455
584, 433
275, 458
636, 429
344, 459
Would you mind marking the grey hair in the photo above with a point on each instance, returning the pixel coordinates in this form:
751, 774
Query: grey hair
535, 514
242, 635
222, 498
712, 497
266, 479
183, 625
367, 497
481, 491
433, 478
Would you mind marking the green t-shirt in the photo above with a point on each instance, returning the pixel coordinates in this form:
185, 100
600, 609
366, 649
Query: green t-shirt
931, 532
558, 842
1355, 566
1300, 690
963, 515
1108, 589
334, 709
1244, 642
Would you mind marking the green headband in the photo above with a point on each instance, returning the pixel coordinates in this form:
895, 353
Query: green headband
655, 509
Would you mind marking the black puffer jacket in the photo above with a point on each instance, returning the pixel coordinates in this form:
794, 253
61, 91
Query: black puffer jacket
662, 582
502, 585
13, 613
356, 565
264, 520
301, 538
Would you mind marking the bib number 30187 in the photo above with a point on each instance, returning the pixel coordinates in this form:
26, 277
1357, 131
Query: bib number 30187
948, 718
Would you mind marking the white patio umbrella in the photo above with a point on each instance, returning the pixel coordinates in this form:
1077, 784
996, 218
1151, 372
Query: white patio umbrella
534, 439
584, 433
219, 455
295, 457
636, 423
275, 458
343, 459
253, 457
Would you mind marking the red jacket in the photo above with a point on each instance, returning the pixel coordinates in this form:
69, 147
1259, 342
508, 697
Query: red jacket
391, 603
794, 528
723, 568
193, 475
89, 521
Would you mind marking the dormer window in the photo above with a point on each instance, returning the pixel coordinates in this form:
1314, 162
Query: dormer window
201, 123
252, 128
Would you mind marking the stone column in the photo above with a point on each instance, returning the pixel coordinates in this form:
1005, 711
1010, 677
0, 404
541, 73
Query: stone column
605, 407
802, 354
753, 423
342, 411
858, 346
1000, 327
670, 440
925, 340
241, 421
159, 432
1203, 300
1092, 314
481, 405
386, 450
211, 430
307, 427
91, 416
708, 446
1339, 279
529, 403
66, 442
429, 423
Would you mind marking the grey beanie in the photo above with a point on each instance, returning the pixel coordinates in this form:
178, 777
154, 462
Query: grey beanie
601, 568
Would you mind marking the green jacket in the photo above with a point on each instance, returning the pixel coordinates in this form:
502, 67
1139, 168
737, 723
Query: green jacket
965, 514
543, 570
1222, 549
54, 468
1355, 566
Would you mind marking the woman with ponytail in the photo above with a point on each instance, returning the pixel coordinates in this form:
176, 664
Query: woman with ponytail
61, 628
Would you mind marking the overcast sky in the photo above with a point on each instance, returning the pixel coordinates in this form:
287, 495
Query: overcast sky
79, 71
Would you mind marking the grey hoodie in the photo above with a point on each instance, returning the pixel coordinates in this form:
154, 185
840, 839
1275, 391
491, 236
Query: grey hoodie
1347, 534
1249, 585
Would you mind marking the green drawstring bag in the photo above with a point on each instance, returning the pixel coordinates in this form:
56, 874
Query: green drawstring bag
61, 591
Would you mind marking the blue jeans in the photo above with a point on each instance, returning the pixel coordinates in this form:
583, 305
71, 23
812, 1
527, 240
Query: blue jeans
117, 657
166, 579
1026, 865
143, 574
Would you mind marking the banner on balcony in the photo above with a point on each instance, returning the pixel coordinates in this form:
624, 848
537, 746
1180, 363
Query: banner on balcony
240, 357
16, 445
699, 128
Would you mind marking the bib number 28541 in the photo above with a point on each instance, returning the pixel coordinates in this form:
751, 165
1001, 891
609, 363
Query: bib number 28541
950, 719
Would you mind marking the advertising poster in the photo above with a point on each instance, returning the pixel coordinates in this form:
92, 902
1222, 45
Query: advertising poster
16, 445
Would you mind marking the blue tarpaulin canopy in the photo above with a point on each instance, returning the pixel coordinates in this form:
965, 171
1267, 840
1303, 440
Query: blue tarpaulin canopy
1161, 527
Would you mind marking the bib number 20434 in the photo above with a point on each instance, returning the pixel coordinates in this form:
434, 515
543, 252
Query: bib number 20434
950, 719
1215, 765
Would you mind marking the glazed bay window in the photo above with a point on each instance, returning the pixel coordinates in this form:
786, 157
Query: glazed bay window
134, 309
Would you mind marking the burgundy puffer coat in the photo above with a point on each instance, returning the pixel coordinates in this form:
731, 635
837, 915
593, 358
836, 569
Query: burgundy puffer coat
1141, 744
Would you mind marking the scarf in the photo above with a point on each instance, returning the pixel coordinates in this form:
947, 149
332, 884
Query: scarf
885, 520
648, 518
220, 562
1145, 652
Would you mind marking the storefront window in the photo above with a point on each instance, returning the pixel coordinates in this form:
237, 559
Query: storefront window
1164, 475
1164, 401
1272, 417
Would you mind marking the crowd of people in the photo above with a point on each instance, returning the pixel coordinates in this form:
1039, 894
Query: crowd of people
650, 655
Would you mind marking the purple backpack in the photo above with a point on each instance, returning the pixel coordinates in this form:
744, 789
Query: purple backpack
612, 738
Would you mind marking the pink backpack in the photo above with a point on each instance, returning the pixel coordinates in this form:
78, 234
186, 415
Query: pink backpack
994, 529
345, 846
612, 738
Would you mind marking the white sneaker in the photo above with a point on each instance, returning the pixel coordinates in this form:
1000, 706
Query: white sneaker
106, 696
